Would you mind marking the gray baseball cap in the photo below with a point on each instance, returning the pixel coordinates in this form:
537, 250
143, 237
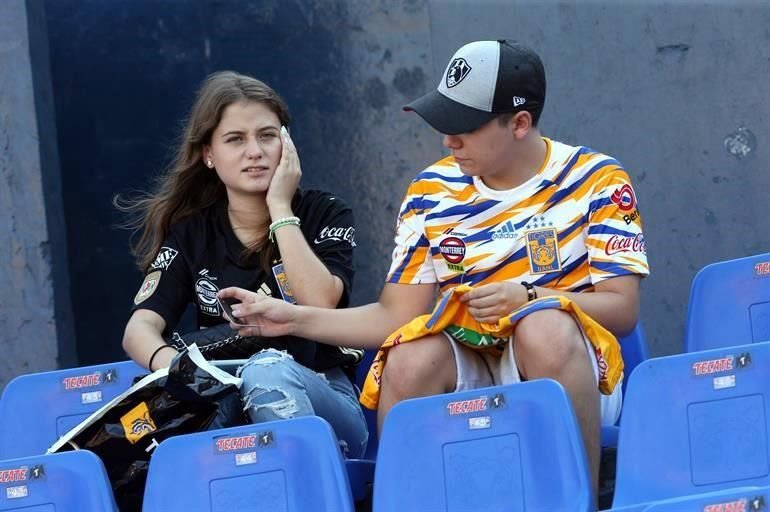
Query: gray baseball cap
483, 80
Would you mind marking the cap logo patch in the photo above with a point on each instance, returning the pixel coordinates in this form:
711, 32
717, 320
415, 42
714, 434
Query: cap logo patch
458, 70
518, 101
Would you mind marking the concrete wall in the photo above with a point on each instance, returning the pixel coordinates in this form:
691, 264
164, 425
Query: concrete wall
674, 90
35, 320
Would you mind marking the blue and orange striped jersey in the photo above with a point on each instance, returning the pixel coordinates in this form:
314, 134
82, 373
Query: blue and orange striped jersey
572, 225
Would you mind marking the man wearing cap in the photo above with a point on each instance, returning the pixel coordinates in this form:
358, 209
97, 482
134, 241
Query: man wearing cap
519, 218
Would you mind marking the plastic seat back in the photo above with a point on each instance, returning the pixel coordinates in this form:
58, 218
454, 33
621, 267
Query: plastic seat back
513, 448
695, 423
291, 465
729, 304
634, 350
62, 482
36, 409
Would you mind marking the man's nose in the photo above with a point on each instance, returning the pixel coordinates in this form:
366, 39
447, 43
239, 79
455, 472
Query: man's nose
451, 141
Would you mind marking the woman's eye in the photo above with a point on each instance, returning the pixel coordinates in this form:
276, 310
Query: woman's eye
234, 139
267, 136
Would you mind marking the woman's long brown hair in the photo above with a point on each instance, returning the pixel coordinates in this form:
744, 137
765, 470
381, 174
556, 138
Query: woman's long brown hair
188, 186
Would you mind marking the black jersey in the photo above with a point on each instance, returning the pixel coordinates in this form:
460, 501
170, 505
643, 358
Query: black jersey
202, 255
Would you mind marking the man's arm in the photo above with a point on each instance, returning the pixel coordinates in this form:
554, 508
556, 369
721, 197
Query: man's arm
360, 327
614, 303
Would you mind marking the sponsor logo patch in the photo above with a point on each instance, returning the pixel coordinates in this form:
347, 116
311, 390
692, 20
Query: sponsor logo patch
230, 444
624, 198
468, 406
337, 234
164, 258
82, 381
451, 231
754, 504
452, 249
149, 285
543, 251
762, 269
207, 296
457, 71
13, 475
505, 231
724, 364
631, 217
617, 244
137, 423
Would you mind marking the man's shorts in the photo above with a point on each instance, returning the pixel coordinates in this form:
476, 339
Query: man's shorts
478, 369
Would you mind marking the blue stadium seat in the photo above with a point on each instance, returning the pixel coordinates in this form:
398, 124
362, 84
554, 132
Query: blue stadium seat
729, 304
69, 481
36, 409
634, 350
291, 465
513, 448
695, 423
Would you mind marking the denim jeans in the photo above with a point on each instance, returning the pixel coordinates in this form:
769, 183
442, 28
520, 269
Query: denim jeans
277, 387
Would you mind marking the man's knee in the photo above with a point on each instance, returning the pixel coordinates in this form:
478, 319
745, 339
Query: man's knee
550, 339
420, 366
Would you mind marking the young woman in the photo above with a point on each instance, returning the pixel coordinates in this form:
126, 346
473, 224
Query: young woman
228, 213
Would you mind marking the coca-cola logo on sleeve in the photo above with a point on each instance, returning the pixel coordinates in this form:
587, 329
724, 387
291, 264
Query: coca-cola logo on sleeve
617, 244
337, 234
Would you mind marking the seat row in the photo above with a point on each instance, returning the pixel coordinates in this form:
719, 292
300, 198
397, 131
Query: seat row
694, 434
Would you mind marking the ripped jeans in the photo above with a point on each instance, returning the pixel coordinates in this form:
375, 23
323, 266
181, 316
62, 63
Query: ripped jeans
277, 387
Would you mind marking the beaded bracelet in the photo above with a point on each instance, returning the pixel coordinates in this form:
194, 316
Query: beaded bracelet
283, 221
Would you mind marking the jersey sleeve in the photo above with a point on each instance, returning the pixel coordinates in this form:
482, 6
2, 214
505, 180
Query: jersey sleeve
167, 284
332, 237
412, 262
616, 244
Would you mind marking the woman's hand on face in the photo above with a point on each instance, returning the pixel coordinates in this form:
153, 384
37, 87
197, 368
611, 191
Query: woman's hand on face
490, 302
285, 179
265, 316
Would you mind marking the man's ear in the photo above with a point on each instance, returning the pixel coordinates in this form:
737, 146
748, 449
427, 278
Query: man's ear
521, 124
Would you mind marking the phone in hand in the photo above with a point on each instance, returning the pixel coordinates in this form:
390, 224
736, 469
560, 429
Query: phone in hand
227, 310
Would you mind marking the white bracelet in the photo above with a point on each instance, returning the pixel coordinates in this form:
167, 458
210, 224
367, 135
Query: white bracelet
283, 221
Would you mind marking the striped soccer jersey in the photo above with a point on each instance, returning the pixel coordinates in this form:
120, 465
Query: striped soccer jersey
572, 225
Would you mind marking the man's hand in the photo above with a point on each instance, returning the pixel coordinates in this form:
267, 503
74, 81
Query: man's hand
267, 316
493, 301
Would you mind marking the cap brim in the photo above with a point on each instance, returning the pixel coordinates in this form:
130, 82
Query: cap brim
447, 116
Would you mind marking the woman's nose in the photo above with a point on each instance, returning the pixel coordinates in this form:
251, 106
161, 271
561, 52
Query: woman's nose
253, 149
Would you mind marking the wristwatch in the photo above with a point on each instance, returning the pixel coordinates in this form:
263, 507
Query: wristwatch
531, 292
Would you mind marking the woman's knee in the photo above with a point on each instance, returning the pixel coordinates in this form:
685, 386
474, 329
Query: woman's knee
272, 388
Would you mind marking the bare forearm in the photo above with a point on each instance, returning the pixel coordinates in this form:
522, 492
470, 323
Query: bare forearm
310, 281
616, 312
364, 327
141, 340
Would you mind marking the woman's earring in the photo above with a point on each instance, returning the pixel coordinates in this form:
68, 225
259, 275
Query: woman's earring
209, 163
